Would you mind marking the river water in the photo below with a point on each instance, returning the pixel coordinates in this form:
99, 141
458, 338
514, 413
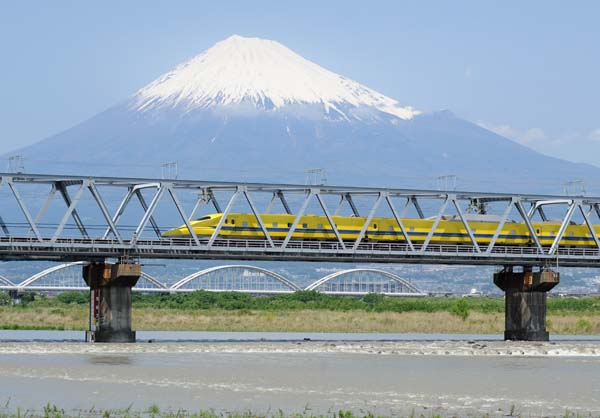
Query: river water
383, 373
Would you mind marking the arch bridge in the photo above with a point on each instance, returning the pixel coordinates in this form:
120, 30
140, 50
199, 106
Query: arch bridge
233, 278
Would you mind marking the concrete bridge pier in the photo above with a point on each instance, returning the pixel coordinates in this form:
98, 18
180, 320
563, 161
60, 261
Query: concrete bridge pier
110, 301
526, 293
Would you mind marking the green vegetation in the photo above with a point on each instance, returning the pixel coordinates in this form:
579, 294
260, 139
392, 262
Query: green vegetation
304, 311
303, 300
308, 300
460, 309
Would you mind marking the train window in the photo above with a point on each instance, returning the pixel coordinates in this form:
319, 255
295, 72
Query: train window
244, 224
289, 225
275, 224
304, 225
537, 231
225, 220
390, 228
374, 226
233, 222
412, 229
319, 226
513, 232
571, 234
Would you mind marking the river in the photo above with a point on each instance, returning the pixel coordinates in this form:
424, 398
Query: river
383, 373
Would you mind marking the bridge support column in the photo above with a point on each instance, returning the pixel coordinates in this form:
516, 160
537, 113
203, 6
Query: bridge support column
110, 301
525, 302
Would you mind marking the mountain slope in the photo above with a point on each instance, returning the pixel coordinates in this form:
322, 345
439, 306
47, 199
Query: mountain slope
251, 109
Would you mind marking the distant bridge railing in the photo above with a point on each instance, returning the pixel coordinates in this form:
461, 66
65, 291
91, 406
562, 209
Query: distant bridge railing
235, 278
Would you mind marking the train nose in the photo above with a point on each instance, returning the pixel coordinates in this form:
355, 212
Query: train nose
171, 233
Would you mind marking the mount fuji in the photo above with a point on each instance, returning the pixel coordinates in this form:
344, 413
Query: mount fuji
251, 109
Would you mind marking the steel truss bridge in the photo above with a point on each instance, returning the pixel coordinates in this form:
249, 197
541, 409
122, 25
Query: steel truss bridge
238, 278
75, 218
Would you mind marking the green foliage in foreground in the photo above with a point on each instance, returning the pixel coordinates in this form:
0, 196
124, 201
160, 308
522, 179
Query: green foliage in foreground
301, 300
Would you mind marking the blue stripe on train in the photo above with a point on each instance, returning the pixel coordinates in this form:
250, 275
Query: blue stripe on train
399, 234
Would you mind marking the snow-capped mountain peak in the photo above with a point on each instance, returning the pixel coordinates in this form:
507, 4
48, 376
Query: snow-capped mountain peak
264, 73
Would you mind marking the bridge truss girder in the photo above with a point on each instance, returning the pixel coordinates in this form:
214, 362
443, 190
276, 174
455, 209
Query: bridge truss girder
118, 241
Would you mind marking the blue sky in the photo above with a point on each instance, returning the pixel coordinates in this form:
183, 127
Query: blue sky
529, 70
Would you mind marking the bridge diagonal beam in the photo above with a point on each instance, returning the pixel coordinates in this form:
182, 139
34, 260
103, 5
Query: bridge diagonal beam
269, 207
465, 223
204, 197
398, 219
414, 202
119, 212
148, 215
142, 200
417, 205
590, 226
500, 227
100, 202
214, 201
224, 215
346, 197
201, 201
64, 192
563, 227
70, 211
596, 208
183, 215
436, 222
284, 202
530, 228
365, 226
24, 209
278, 195
261, 224
45, 206
330, 220
299, 216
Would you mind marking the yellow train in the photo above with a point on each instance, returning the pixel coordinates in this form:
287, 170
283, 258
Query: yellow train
450, 229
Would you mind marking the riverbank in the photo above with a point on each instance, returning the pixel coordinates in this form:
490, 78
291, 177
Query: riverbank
149, 319
304, 313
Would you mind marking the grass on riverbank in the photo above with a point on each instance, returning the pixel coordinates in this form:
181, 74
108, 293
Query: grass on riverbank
154, 411
302, 312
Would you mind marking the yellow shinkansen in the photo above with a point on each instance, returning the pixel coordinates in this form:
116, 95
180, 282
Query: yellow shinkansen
450, 229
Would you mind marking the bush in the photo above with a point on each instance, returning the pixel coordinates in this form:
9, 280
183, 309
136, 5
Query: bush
78, 298
5, 299
460, 309
373, 298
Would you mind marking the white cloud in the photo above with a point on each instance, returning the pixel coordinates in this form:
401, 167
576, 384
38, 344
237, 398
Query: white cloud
595, 135
526, 136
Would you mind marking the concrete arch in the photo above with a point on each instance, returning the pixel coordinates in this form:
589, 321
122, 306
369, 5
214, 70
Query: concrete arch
202, 273
152, 280
30, 282
403, 282
42, 274
5, 282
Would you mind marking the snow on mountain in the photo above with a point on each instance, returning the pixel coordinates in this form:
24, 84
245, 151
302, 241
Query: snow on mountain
265, 73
